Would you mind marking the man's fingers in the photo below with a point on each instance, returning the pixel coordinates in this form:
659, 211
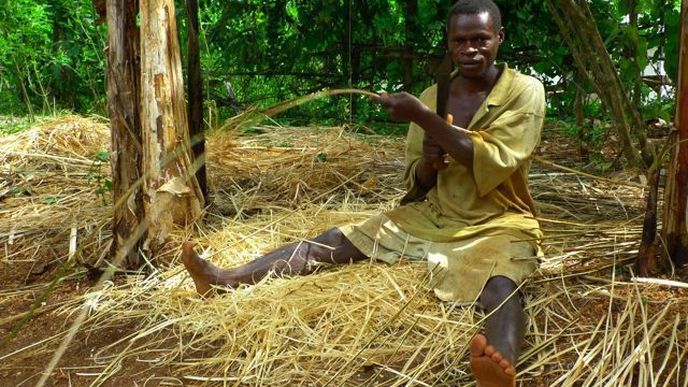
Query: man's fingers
377, 98
382, 98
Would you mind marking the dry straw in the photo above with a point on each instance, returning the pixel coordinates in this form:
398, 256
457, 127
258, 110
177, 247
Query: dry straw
370, 324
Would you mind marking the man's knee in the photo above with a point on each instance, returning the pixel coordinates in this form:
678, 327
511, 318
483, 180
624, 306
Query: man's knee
497, 290
333, 246
331, 237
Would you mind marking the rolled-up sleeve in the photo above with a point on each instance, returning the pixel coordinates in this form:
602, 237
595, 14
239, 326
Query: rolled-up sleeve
509, 140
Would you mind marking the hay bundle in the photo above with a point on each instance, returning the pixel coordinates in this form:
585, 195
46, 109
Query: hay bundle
371, 324
51, 175
69, 137
290, 166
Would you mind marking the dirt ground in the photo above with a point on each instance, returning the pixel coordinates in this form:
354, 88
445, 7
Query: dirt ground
24, 336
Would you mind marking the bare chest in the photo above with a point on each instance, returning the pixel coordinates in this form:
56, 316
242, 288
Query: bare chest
464, 107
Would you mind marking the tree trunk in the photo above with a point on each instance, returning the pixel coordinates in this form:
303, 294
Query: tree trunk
578, 28
172, 195
634, 46
123, 108
62, 84
355, 77
347, 35
674, 226
646, 263
410, 32
196, 97
583, 131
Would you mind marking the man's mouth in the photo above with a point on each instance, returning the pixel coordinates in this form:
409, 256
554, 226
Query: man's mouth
470, 65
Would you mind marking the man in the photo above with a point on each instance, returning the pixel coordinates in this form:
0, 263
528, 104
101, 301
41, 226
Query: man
471, 217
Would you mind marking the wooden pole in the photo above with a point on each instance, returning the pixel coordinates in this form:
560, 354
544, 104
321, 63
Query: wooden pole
674, 228
680, 253
195, 88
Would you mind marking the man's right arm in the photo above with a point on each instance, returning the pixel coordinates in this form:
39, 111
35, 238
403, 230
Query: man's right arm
422, 155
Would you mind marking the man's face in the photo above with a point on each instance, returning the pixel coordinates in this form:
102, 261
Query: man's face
473, 43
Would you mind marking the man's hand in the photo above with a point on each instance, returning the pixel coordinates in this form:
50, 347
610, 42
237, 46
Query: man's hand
402, 106
433, 152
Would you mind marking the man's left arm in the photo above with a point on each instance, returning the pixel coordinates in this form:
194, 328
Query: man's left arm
405, 107
493, 153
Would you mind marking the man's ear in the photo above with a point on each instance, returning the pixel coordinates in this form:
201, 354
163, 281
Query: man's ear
501, 35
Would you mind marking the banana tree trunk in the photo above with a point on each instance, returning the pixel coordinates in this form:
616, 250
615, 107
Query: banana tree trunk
171, 192
126, 152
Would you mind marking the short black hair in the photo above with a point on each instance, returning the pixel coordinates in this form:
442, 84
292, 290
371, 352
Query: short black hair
474, 7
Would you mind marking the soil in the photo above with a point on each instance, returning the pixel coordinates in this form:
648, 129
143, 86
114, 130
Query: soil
22, 336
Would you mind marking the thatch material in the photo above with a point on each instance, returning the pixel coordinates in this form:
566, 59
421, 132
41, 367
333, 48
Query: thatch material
373, 324
50, 175
291, 166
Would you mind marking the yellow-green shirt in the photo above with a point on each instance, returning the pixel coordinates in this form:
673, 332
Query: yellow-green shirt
493, 196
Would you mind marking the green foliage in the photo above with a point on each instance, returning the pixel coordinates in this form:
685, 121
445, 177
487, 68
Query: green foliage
52, 53
671, 15
51, 200
51, 57
662, 107
599, 164
14, 124
321, 157
97, 174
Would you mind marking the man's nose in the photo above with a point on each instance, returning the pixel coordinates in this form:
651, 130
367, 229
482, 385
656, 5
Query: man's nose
470, 50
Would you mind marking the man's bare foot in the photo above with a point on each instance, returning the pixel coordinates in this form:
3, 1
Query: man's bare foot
489, 367
203, 273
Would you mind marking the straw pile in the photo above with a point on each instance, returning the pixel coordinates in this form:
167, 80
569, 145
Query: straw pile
49, 177
590, 322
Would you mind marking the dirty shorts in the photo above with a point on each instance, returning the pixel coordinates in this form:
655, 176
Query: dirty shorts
458, 269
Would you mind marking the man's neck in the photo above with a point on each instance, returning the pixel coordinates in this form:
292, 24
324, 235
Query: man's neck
477, 85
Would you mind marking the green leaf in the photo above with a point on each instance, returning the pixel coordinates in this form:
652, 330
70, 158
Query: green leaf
102, 156
51, 200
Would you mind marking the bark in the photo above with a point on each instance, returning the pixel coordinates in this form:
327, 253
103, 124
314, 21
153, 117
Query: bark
633, 51
63, 85
583, 131
173, 196
101, 10
196, 97
345, 49
123, 108
347, 54
355, 77
674, 230
410, 31
646, 264
578, 28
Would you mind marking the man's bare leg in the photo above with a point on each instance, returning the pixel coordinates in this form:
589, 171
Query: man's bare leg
494, 355
292, 259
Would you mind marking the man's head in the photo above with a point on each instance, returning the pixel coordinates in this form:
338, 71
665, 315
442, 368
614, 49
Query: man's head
474, 7
474, 33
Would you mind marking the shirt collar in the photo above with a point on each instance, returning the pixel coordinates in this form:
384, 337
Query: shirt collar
500, 91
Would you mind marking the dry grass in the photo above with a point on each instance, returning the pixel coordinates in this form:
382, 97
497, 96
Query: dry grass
590, 324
